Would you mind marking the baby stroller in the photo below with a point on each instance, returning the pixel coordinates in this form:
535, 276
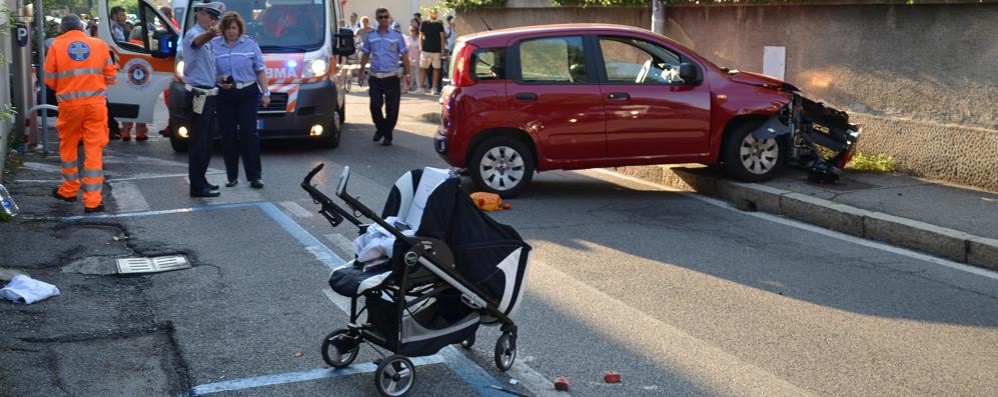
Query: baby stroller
446, 268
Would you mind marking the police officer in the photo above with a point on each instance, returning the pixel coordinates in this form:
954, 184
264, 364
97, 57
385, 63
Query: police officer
199, 79
385, 47
79, 68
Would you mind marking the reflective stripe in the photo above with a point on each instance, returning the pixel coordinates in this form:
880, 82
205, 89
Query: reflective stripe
93, 173
70, 177
68, 165
80, 94
77, 72
91, 187
107, 61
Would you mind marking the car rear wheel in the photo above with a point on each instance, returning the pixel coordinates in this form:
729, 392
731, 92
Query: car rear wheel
502, 165
750, 159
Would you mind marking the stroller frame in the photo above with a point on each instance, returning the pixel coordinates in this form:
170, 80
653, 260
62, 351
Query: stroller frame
396, 374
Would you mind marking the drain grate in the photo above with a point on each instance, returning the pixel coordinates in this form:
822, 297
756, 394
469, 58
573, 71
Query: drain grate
152, 265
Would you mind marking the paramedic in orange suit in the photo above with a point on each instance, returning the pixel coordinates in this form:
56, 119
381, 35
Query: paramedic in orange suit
79, 67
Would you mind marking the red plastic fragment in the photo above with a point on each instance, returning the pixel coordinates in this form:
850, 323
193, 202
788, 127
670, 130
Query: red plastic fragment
611, 377
561, 383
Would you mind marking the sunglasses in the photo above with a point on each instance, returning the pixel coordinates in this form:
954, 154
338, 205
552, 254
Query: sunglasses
383, 17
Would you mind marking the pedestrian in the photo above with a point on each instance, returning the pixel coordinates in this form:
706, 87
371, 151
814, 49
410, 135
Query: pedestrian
354, 24
168, 13
385, 47
79, 68
118, 31
242, 79
451, 35
359, 36
412, 43
141, 129
199, 80
431, 47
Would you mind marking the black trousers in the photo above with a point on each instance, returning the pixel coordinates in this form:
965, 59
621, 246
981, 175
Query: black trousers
237, 120
385, 92
199, 153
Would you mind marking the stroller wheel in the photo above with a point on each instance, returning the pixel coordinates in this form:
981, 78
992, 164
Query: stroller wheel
339, 349
468, 343
395, 376
505, 351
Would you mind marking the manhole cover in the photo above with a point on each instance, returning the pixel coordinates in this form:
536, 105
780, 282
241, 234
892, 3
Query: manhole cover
844, 185
152, 265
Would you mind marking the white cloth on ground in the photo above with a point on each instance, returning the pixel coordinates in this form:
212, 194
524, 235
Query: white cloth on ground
28, 290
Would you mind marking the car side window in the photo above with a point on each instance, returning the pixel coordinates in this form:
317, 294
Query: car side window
489, 64
553, 60
634, 61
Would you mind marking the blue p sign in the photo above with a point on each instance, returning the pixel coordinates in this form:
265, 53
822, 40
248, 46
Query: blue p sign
21, 34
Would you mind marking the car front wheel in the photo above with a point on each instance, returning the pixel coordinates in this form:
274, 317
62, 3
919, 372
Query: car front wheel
749, 159
502, 165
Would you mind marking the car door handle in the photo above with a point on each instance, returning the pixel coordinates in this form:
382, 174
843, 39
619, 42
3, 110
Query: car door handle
619, 96
526, 96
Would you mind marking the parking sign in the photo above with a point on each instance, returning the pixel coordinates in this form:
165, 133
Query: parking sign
21, 34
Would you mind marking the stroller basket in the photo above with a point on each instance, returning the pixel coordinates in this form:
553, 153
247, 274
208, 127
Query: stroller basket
428, 271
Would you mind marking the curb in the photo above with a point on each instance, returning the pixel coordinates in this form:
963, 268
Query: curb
919, 236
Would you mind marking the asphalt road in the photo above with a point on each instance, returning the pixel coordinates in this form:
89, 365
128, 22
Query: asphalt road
679, 294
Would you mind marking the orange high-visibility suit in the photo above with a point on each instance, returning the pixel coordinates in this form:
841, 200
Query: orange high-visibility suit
79, 68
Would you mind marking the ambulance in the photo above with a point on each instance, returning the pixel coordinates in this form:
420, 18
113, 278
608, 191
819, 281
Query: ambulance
300, 42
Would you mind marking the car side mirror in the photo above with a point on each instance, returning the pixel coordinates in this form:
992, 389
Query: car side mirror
687, 72
167, 46
341, 188
344, 43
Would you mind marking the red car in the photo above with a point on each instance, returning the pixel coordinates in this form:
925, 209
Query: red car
580, 96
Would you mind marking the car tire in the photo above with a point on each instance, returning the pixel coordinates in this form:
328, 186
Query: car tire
179, 145
342, 112
748, 159
502, 165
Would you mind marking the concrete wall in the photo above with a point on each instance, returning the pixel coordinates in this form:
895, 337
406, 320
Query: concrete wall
923, 78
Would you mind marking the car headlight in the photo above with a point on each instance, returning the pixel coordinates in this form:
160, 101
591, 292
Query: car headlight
318, 67
179, 69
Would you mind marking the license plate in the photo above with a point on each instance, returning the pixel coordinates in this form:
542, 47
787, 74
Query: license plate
259, 124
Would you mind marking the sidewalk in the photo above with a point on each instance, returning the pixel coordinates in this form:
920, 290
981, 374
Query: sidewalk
952, 222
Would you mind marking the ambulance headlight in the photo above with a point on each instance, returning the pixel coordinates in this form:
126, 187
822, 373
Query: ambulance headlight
180, 69
318, 67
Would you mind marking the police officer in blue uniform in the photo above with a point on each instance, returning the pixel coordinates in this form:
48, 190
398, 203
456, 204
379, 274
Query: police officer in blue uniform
199, 79
385, 47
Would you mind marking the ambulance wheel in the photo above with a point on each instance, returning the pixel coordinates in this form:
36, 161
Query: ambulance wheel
342, 111
395, 376
333, 139
332, 356
179, 145
468, 343
505, 351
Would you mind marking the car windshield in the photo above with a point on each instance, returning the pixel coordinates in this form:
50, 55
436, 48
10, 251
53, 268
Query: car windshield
281, 25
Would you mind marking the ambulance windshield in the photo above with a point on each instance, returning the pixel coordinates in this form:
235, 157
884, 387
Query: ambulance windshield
281, 25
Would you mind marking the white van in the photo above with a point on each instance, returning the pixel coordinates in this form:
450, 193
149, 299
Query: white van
307, 96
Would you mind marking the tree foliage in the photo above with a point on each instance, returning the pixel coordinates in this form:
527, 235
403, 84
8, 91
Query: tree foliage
469, 4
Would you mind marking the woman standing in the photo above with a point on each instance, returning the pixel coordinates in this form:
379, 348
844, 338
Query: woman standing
242, 85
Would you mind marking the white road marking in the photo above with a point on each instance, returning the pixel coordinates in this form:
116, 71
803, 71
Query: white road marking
809, 227
42, 167
340, 301
710, 365
343, 243
141, 177
296, 209
128, 197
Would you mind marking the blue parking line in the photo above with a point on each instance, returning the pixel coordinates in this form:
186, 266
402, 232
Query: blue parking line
470, 373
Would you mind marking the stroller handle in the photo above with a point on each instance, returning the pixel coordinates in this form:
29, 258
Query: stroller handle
332, 212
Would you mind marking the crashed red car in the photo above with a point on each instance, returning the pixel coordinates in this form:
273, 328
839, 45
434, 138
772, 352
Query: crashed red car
577, 96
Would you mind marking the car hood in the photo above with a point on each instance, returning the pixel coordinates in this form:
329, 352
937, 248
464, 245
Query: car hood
759, 80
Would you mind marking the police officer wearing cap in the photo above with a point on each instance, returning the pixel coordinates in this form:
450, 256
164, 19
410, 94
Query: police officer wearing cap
199, 79
385, 47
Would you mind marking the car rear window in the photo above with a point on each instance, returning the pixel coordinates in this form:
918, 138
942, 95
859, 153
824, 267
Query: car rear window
489, 64
553, 60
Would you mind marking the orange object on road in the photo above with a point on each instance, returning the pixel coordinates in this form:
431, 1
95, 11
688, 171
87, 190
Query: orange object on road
561, 383
79, 68
611, 377
487, 201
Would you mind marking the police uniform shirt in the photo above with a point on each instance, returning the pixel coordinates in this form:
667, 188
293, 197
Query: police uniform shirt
384, 49
199, 62
241, 61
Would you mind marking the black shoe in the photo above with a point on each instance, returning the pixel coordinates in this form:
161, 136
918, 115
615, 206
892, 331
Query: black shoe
164, 132
114, 137
99, 208
386, 142
212, 187
256, 184
377, 136
231, 183
55, 193
204, 193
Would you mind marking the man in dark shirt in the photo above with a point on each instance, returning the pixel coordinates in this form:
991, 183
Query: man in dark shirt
431, 46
